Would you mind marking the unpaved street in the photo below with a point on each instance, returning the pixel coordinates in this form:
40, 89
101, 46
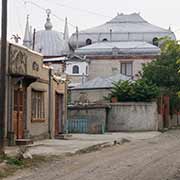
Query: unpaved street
152, 159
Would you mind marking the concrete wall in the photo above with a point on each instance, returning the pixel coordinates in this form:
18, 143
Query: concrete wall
37, 128
175, 120
91, 96
119, 117
110, 67
133, 117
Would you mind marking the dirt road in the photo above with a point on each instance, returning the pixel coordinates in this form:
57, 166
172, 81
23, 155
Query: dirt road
153, 159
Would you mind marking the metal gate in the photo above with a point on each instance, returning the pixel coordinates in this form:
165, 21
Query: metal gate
84, 126
78, 126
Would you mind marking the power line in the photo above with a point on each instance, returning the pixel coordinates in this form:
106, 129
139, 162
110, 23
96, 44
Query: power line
44, 9
82, 10
57, 17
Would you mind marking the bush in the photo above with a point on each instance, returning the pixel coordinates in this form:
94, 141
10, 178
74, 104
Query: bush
134, 91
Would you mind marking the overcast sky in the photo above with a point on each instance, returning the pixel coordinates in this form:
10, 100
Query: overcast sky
89, 13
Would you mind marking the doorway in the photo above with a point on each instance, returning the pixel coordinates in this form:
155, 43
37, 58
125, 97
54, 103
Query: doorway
18, 113
59, 125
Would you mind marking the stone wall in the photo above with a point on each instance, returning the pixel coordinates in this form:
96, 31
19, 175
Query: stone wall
133, 117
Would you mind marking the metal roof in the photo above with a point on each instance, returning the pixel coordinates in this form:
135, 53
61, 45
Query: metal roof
131, 27
99, 82
49, 43
119, 48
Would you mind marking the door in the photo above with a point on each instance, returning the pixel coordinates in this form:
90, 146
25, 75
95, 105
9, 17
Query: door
164, 110
59, 126
18, 114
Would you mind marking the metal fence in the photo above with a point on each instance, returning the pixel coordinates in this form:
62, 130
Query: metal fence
84, 126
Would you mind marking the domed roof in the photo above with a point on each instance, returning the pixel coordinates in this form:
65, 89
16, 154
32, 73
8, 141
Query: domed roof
130, 27
49, 42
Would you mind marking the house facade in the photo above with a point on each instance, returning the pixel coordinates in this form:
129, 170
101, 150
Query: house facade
35, 97
111, 58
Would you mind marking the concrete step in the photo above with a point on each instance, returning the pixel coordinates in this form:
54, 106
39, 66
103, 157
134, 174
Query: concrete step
21, 142
63, 136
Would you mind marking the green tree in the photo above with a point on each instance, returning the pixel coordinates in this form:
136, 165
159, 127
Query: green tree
164, 72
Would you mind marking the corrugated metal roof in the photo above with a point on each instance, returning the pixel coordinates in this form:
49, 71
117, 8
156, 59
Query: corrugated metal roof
49, 43
126, 23
120, 48
100, 82
130, 27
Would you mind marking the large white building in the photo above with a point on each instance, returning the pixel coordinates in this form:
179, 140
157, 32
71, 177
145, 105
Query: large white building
120, 45
131, 27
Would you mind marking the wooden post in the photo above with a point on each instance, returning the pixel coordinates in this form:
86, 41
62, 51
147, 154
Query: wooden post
166, 111
3, 74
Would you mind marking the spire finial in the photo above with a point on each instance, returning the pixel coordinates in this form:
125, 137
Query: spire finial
27, 17
48, 25
48, 12
66, 30
27, 35
66, 37
170, 28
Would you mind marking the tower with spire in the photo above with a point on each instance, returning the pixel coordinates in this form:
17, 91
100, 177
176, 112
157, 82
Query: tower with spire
49, 42
66, 37
27, 41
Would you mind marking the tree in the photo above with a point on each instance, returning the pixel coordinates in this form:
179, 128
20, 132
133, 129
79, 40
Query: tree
164, 72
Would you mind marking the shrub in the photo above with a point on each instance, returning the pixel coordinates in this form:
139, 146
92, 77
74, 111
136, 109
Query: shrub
134, 91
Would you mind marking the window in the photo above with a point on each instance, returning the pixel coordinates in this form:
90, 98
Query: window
88, 41
86, 70
104, 40
126, 68
75, 69
155, 41
38, 109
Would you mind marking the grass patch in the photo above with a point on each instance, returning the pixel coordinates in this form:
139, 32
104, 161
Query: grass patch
9, 165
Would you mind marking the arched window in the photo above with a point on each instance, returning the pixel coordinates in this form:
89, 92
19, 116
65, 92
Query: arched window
104, 40
75, 69
86, 70
155, 41
88, 41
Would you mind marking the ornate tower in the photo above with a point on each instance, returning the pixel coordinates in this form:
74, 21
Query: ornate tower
27, 41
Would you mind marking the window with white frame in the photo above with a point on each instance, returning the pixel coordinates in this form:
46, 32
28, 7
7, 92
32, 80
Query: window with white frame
75, 69
38, 105
126, 68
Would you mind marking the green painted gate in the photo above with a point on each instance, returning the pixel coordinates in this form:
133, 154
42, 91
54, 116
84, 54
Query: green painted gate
78, 125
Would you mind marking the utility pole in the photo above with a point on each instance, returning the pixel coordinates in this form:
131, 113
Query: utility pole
3, 74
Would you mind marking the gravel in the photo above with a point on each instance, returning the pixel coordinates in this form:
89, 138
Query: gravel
151, 159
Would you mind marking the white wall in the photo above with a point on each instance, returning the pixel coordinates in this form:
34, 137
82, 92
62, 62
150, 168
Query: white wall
133, 117
82, 67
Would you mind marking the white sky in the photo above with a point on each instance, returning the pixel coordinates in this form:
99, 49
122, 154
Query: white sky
163, 13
